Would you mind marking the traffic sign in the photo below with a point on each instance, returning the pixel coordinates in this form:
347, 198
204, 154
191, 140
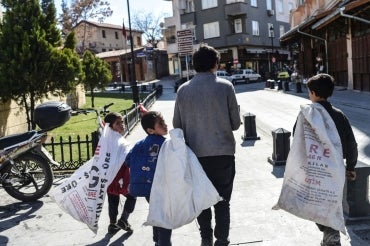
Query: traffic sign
185, 42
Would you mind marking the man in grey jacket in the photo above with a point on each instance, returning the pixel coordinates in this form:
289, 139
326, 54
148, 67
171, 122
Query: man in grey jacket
207, 111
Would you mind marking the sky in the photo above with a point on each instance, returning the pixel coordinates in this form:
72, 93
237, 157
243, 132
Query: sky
120, 12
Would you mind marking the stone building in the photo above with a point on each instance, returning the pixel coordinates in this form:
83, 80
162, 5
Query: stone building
102, 37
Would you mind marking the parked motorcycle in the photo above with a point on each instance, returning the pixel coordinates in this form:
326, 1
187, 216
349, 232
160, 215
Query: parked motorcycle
25, 165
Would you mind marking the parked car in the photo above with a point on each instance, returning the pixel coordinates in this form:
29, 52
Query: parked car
224, 75
245, 75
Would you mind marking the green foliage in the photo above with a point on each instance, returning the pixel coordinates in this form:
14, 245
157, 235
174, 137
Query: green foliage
71, 41
31, 64
83, 125
97, 73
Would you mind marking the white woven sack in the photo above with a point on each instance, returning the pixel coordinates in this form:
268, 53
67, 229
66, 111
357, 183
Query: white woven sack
82, 195
315, 172
181, 190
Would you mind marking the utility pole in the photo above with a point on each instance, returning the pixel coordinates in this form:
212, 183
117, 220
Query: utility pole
272, 50
135, 90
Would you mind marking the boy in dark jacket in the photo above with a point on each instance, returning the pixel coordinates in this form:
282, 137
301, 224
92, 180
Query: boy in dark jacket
320, 88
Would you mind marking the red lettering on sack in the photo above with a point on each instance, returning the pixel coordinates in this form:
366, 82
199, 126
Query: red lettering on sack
313, 148
326, 153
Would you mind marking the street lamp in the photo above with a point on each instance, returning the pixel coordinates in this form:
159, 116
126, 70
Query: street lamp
135, 90
272, 35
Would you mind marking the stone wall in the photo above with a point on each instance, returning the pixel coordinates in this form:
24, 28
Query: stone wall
13, 118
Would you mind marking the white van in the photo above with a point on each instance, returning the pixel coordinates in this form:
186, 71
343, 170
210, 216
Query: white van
245, 75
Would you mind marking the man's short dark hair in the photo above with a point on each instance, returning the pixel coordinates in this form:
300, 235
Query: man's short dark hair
205, 58
149, 119
322, 84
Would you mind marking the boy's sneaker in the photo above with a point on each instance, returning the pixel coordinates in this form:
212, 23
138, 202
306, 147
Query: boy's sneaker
112, 228
124, 225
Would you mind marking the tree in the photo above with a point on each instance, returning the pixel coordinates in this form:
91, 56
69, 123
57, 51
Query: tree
150, 25
97, 73
83, 10
31, 64
70, 41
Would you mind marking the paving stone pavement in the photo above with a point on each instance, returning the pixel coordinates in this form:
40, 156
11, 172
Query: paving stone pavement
253, 222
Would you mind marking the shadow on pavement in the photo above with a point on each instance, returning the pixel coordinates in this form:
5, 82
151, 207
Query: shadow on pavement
106, 240
11, 215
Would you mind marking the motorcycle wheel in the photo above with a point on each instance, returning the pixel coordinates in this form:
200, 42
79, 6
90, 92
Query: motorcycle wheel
29, 178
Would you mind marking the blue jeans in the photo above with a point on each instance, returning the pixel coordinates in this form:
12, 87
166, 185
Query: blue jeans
221, 172
161, 236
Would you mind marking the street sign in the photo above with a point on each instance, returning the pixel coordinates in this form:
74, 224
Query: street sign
185, 42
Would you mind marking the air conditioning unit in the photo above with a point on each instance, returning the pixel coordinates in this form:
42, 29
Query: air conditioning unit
270, 12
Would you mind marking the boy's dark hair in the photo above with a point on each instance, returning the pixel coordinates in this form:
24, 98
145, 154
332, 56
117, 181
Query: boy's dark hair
148, 119
205, 58
111, 118
322, 84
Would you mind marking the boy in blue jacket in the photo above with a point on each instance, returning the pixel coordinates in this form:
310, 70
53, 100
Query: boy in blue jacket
142, 161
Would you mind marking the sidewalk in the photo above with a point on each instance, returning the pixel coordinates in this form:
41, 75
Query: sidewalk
256, 190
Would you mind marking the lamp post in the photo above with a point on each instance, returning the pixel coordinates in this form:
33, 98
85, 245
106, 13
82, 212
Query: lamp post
272, 35
135, 90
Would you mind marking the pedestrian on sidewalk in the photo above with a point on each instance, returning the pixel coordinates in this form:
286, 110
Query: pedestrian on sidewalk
142, 161
119, 185
320, 88
206, 110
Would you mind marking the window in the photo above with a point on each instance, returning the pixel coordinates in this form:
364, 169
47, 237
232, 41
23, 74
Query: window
290, 7
254, 3
281, 30
206, 4
269, 4
234, 1
238, 28
279, 6
255, 28
189, 6
138, 41
211, 30
116, 34
103, 33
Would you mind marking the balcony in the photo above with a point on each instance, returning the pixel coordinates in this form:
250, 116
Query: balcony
237, 39
238, 8
188, 18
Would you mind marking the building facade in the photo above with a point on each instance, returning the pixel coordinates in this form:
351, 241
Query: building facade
102, 37
334, 35
109, 43
245, 32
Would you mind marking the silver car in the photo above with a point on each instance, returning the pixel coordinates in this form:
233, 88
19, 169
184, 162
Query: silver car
224, 75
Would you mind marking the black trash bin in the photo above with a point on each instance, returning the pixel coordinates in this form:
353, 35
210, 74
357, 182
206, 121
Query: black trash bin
280, 85
281, 147
298, 87
286, 85
250, 132
272, 84
356, 194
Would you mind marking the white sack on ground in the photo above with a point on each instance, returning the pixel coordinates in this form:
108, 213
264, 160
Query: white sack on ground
82, 194
315, 172
181, 190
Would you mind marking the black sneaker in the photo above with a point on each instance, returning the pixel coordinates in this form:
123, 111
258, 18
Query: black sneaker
112, 228
124, 225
